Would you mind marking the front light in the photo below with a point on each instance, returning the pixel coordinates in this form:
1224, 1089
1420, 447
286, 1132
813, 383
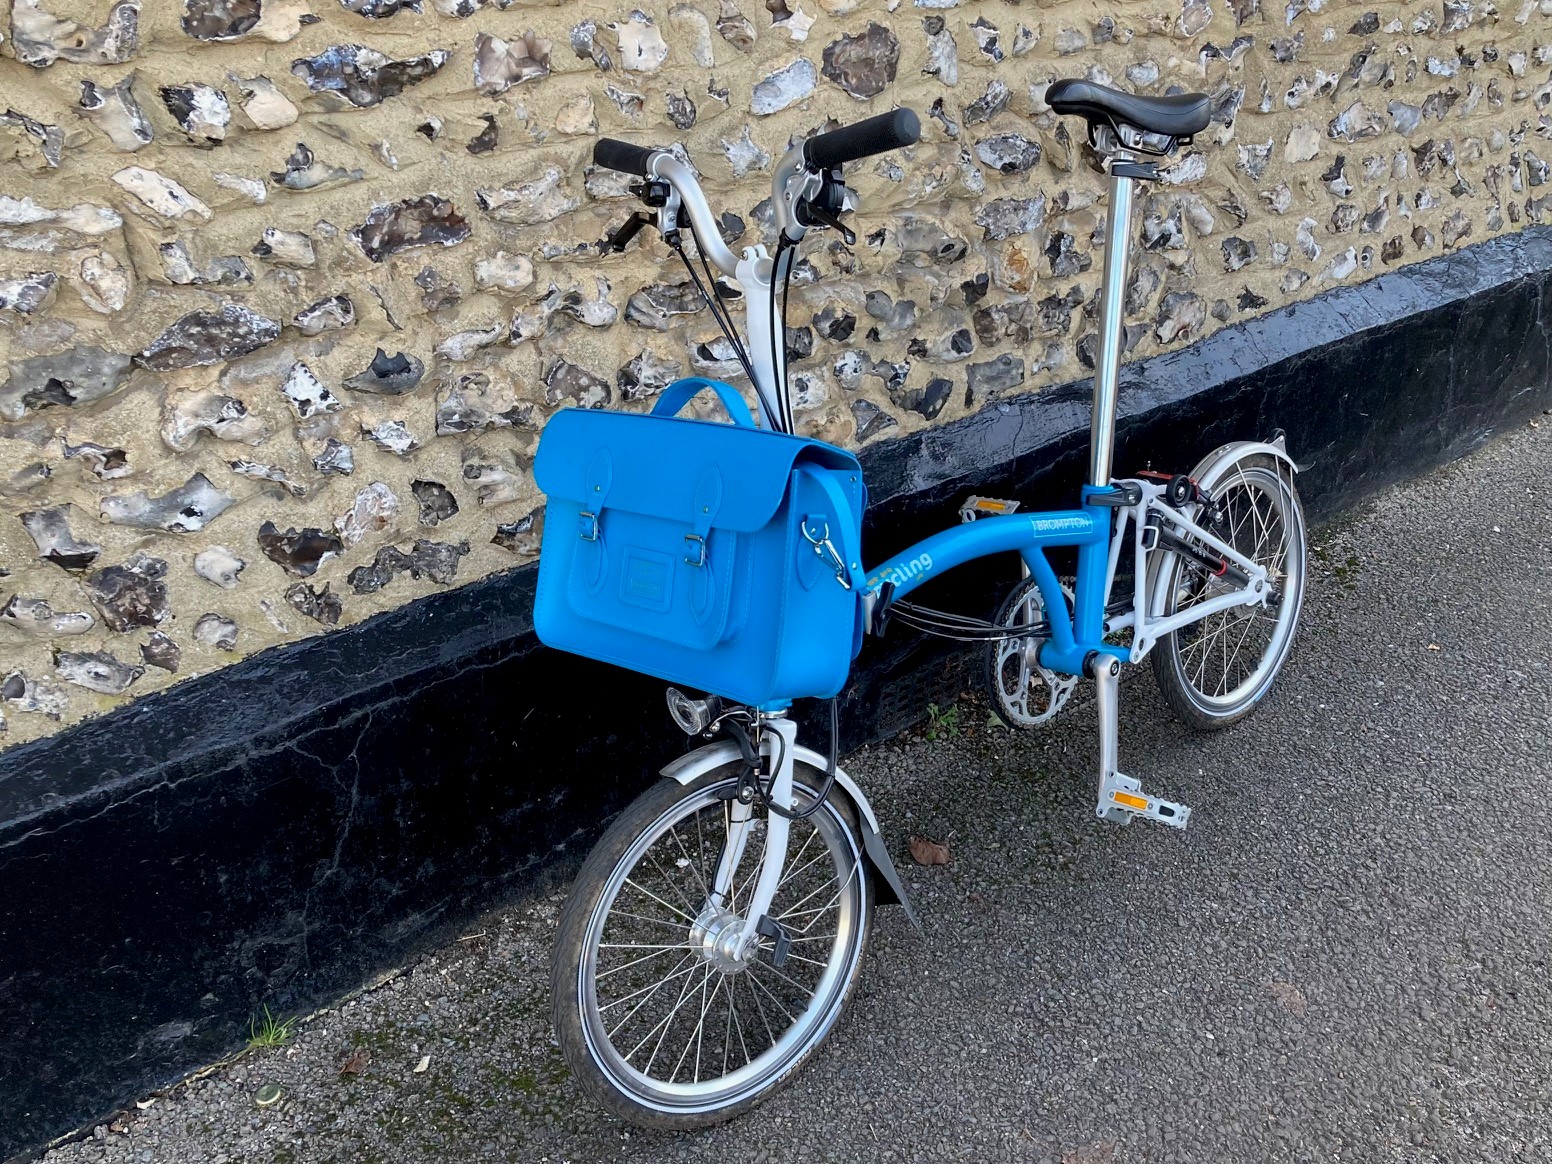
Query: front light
692, 715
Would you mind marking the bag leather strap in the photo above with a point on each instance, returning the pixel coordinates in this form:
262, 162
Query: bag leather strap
597, 480
681, 392
850, 556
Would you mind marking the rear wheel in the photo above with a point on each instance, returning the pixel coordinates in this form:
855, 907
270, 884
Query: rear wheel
1213, 672
655, 1023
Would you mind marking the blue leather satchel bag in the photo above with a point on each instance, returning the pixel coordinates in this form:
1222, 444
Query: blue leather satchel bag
723, 557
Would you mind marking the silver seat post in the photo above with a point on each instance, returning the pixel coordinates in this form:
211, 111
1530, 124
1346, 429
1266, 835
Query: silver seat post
1112, 310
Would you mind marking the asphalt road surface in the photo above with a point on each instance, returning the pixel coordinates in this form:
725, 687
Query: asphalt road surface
1343, 958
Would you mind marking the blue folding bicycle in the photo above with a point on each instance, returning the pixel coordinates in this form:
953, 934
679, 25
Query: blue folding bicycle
716, 931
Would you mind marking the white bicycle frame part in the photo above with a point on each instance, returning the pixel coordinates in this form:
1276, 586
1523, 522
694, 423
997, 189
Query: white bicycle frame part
1150, 584
1207, 474
691, 766
753, 270
1146, 629
777, 829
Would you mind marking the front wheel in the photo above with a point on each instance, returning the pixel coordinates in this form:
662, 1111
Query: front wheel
1212, 673
655, 1022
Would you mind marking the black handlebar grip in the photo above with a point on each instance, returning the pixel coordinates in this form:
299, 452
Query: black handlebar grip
876, 135
623, 156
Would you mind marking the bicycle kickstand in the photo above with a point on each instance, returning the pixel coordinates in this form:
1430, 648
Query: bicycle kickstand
1120, 796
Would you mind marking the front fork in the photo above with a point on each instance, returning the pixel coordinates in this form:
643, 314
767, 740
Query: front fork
777, 829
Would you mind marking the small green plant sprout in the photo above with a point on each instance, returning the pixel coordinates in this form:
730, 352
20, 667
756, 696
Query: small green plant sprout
271, 1032
942, 723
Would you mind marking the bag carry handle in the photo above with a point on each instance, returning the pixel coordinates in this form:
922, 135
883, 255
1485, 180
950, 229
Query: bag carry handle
681, 392
847, 572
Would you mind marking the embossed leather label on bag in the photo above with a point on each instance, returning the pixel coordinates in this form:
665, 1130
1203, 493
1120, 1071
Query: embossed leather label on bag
647, 579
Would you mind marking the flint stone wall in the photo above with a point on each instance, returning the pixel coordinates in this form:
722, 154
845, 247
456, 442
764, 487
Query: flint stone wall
289, 287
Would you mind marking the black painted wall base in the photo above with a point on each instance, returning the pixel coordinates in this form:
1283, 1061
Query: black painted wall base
282, 830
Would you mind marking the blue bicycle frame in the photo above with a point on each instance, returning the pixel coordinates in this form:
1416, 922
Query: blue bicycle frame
1088, 528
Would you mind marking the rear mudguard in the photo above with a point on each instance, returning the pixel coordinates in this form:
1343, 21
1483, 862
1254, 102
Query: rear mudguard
1210, 465
890, 890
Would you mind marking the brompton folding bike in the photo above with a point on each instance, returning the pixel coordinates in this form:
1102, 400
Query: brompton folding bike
716, 932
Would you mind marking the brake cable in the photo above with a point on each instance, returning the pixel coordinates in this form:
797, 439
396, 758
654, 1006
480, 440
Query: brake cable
710, 297
752, 790
784, 247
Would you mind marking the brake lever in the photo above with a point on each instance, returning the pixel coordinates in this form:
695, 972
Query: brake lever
619, 238
822, 216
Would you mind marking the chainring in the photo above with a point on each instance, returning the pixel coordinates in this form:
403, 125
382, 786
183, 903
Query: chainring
1025, 695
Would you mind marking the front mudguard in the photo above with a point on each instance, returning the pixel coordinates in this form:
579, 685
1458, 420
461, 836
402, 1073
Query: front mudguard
694, 764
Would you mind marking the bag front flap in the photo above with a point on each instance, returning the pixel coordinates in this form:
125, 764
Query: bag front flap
699, 472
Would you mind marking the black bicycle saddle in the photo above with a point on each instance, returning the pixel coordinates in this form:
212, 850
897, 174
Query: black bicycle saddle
1178, 116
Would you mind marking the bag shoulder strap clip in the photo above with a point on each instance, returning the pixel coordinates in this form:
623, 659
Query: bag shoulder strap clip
825, 548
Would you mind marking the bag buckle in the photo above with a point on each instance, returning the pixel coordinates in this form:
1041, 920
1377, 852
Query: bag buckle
826, 550
587, 526
700, 550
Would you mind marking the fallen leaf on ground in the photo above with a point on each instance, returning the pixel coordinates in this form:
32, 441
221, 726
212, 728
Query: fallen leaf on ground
925, 852
355, 1062
424, 1065
1290, 996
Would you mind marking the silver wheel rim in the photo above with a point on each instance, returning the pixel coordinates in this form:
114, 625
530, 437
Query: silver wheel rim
667, 1026
1228, 660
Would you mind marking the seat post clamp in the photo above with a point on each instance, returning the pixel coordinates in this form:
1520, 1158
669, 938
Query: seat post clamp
1145, 171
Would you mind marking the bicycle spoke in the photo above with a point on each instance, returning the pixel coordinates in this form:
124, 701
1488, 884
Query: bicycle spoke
822, 910
706, 874
656, 921
665, 1024
759, 1006
789, 981
685, 853
699, 1027
672, 884
638, 961
675, 909
812, 861
727, 1031
649, 991
810, 961
738, 1021
751, 976
811, 893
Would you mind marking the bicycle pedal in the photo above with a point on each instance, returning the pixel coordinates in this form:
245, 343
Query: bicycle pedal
1121, 798
977, 506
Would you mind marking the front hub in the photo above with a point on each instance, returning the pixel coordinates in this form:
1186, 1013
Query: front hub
720, 938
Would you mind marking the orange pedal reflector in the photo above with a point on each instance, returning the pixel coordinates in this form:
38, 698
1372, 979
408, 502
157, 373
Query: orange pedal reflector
1140, 803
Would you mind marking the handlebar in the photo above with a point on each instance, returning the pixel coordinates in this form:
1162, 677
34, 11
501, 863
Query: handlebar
876, 135
623, 156
799, 176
